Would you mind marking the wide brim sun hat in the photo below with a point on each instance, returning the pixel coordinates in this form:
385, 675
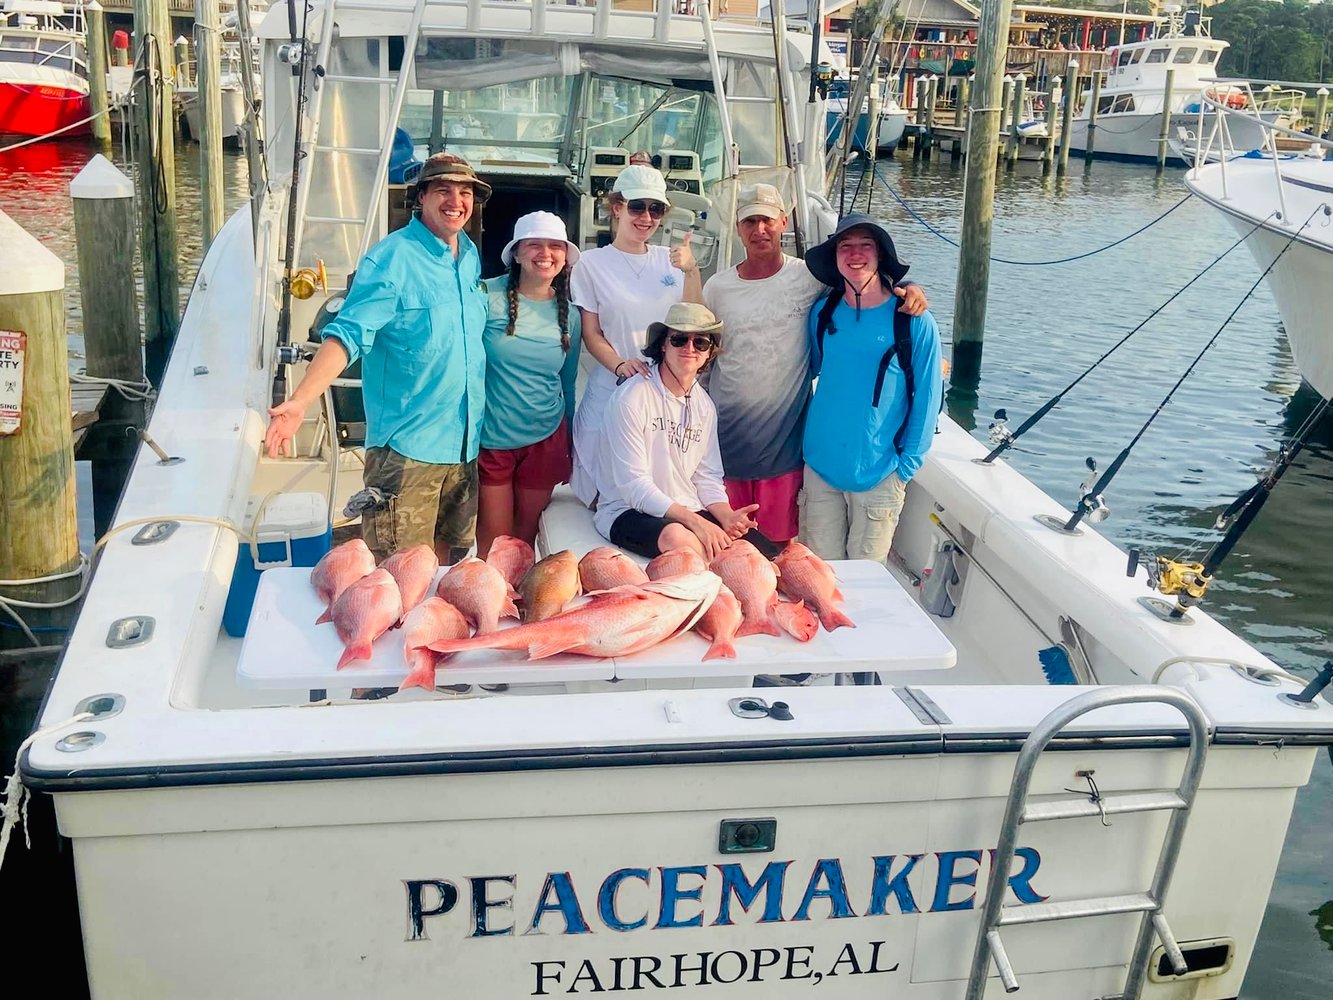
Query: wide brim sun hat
539, 226
822, 261
685, 317
640, 181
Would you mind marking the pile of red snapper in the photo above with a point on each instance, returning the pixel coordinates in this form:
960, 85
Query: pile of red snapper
629, 609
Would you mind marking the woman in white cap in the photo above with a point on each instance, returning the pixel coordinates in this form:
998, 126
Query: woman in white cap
662, 475
532, 354
621, 288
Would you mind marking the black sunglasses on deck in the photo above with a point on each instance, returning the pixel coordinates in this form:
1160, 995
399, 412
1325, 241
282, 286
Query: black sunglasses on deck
702, 342
640, 205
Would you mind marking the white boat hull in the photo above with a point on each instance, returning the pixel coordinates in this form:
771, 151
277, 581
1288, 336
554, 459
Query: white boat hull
233, 111
1135, 137
1302, 279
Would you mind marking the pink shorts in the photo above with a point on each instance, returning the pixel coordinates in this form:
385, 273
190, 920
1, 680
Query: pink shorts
776, 498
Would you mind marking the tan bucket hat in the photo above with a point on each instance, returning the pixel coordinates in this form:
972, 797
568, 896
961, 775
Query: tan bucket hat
450, 167
685, 317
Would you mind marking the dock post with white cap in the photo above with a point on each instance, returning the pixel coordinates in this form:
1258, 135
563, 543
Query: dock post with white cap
97, 82
104, 229
40, 536
1166, 119
208, 70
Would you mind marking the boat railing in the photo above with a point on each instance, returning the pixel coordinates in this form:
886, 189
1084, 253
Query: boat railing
1214, 144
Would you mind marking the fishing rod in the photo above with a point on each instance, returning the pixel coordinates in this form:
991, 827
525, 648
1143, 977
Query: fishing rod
297, 54
1188, 582
1003, 438
1091, 502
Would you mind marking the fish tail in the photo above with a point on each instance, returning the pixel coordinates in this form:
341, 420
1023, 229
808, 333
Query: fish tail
354, 651
832, 618
721, 649
422, 677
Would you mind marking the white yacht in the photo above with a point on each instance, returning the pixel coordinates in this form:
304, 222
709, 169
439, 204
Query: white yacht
230, 82
1285, 201
1130, 104
883, 823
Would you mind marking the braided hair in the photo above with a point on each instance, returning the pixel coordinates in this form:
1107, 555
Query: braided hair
560, 284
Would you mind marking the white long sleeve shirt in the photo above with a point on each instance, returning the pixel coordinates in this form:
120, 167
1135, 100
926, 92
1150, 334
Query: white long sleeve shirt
658, 449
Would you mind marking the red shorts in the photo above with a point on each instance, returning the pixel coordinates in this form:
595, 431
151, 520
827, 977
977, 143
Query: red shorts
540, 466
776, 498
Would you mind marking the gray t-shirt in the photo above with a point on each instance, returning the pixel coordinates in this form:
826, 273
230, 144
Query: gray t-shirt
760, 383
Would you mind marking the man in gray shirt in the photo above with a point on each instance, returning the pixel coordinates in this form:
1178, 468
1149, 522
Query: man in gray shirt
761, 383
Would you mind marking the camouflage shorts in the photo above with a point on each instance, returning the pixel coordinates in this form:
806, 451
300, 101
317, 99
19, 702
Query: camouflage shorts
426, 503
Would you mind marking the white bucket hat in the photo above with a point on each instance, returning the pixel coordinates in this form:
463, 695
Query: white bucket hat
539, 226
641, 181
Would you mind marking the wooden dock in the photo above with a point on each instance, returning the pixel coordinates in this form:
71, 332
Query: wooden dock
86, 406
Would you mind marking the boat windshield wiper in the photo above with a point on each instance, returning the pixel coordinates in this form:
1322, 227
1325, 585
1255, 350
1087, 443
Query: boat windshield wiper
648, 113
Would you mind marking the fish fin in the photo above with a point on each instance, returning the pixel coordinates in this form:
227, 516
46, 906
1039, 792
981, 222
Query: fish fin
540, 649
760, 626
508, 609
327, 616
721, 649
355, 651
837, 594
832, 618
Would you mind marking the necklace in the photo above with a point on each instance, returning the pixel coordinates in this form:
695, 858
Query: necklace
628, 258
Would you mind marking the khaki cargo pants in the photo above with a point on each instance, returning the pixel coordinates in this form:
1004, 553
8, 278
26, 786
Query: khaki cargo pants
836, 524
427, 504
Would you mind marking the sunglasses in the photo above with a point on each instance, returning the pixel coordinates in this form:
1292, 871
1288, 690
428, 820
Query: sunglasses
702, 342
640, 205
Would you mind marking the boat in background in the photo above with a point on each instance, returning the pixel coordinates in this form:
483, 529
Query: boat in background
230, 83
1289, 198
43, 69
1130, 104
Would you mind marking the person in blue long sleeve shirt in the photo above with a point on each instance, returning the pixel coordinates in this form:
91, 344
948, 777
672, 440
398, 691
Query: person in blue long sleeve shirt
863, 442
414, 316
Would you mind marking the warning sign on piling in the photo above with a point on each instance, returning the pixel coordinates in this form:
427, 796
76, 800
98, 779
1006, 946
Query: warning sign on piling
13, 344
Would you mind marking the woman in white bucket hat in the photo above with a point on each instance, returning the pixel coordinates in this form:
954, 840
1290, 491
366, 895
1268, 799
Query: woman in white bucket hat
621, 288
532, 342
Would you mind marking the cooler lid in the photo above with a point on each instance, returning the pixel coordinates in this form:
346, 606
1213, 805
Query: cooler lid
299, 515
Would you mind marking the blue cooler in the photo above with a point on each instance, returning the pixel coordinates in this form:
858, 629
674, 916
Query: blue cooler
295, 531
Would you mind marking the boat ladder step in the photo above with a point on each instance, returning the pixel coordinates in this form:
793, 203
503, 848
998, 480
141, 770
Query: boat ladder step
990, 949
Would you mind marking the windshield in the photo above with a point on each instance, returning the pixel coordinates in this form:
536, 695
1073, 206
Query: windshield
538, 120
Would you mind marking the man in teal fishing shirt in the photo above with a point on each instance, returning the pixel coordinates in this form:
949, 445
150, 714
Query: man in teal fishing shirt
414, 316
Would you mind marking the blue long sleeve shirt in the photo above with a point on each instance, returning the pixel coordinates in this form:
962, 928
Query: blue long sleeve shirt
849, 442
415, 316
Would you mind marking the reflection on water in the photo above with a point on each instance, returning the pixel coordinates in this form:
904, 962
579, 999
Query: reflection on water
1044, 326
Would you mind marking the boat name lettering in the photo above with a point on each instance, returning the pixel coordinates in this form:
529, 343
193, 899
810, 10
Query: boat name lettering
717, 895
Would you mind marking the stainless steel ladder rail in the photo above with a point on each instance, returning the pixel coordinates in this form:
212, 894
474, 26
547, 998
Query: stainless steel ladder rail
995, 914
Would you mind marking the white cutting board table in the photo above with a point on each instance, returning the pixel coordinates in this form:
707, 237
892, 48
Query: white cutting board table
284, 649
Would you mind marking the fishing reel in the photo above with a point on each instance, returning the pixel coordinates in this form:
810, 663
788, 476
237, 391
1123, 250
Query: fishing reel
1093, 506
1187, 582
824, 75
998, 431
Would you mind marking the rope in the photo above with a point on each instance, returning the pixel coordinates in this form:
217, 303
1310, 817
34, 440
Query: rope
49, 135
15, 810
1027, 263
132, 391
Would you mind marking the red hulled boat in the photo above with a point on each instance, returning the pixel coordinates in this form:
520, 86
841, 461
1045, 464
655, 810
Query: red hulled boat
43, 70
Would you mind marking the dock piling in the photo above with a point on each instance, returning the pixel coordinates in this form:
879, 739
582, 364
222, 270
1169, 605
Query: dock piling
155, 144
1165, 135
932, 95
1320, 109
1020, 86
97, 77
41, 533
104, 229
1067, 115
983, 139
1052, 114
1093, 103
208, 69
